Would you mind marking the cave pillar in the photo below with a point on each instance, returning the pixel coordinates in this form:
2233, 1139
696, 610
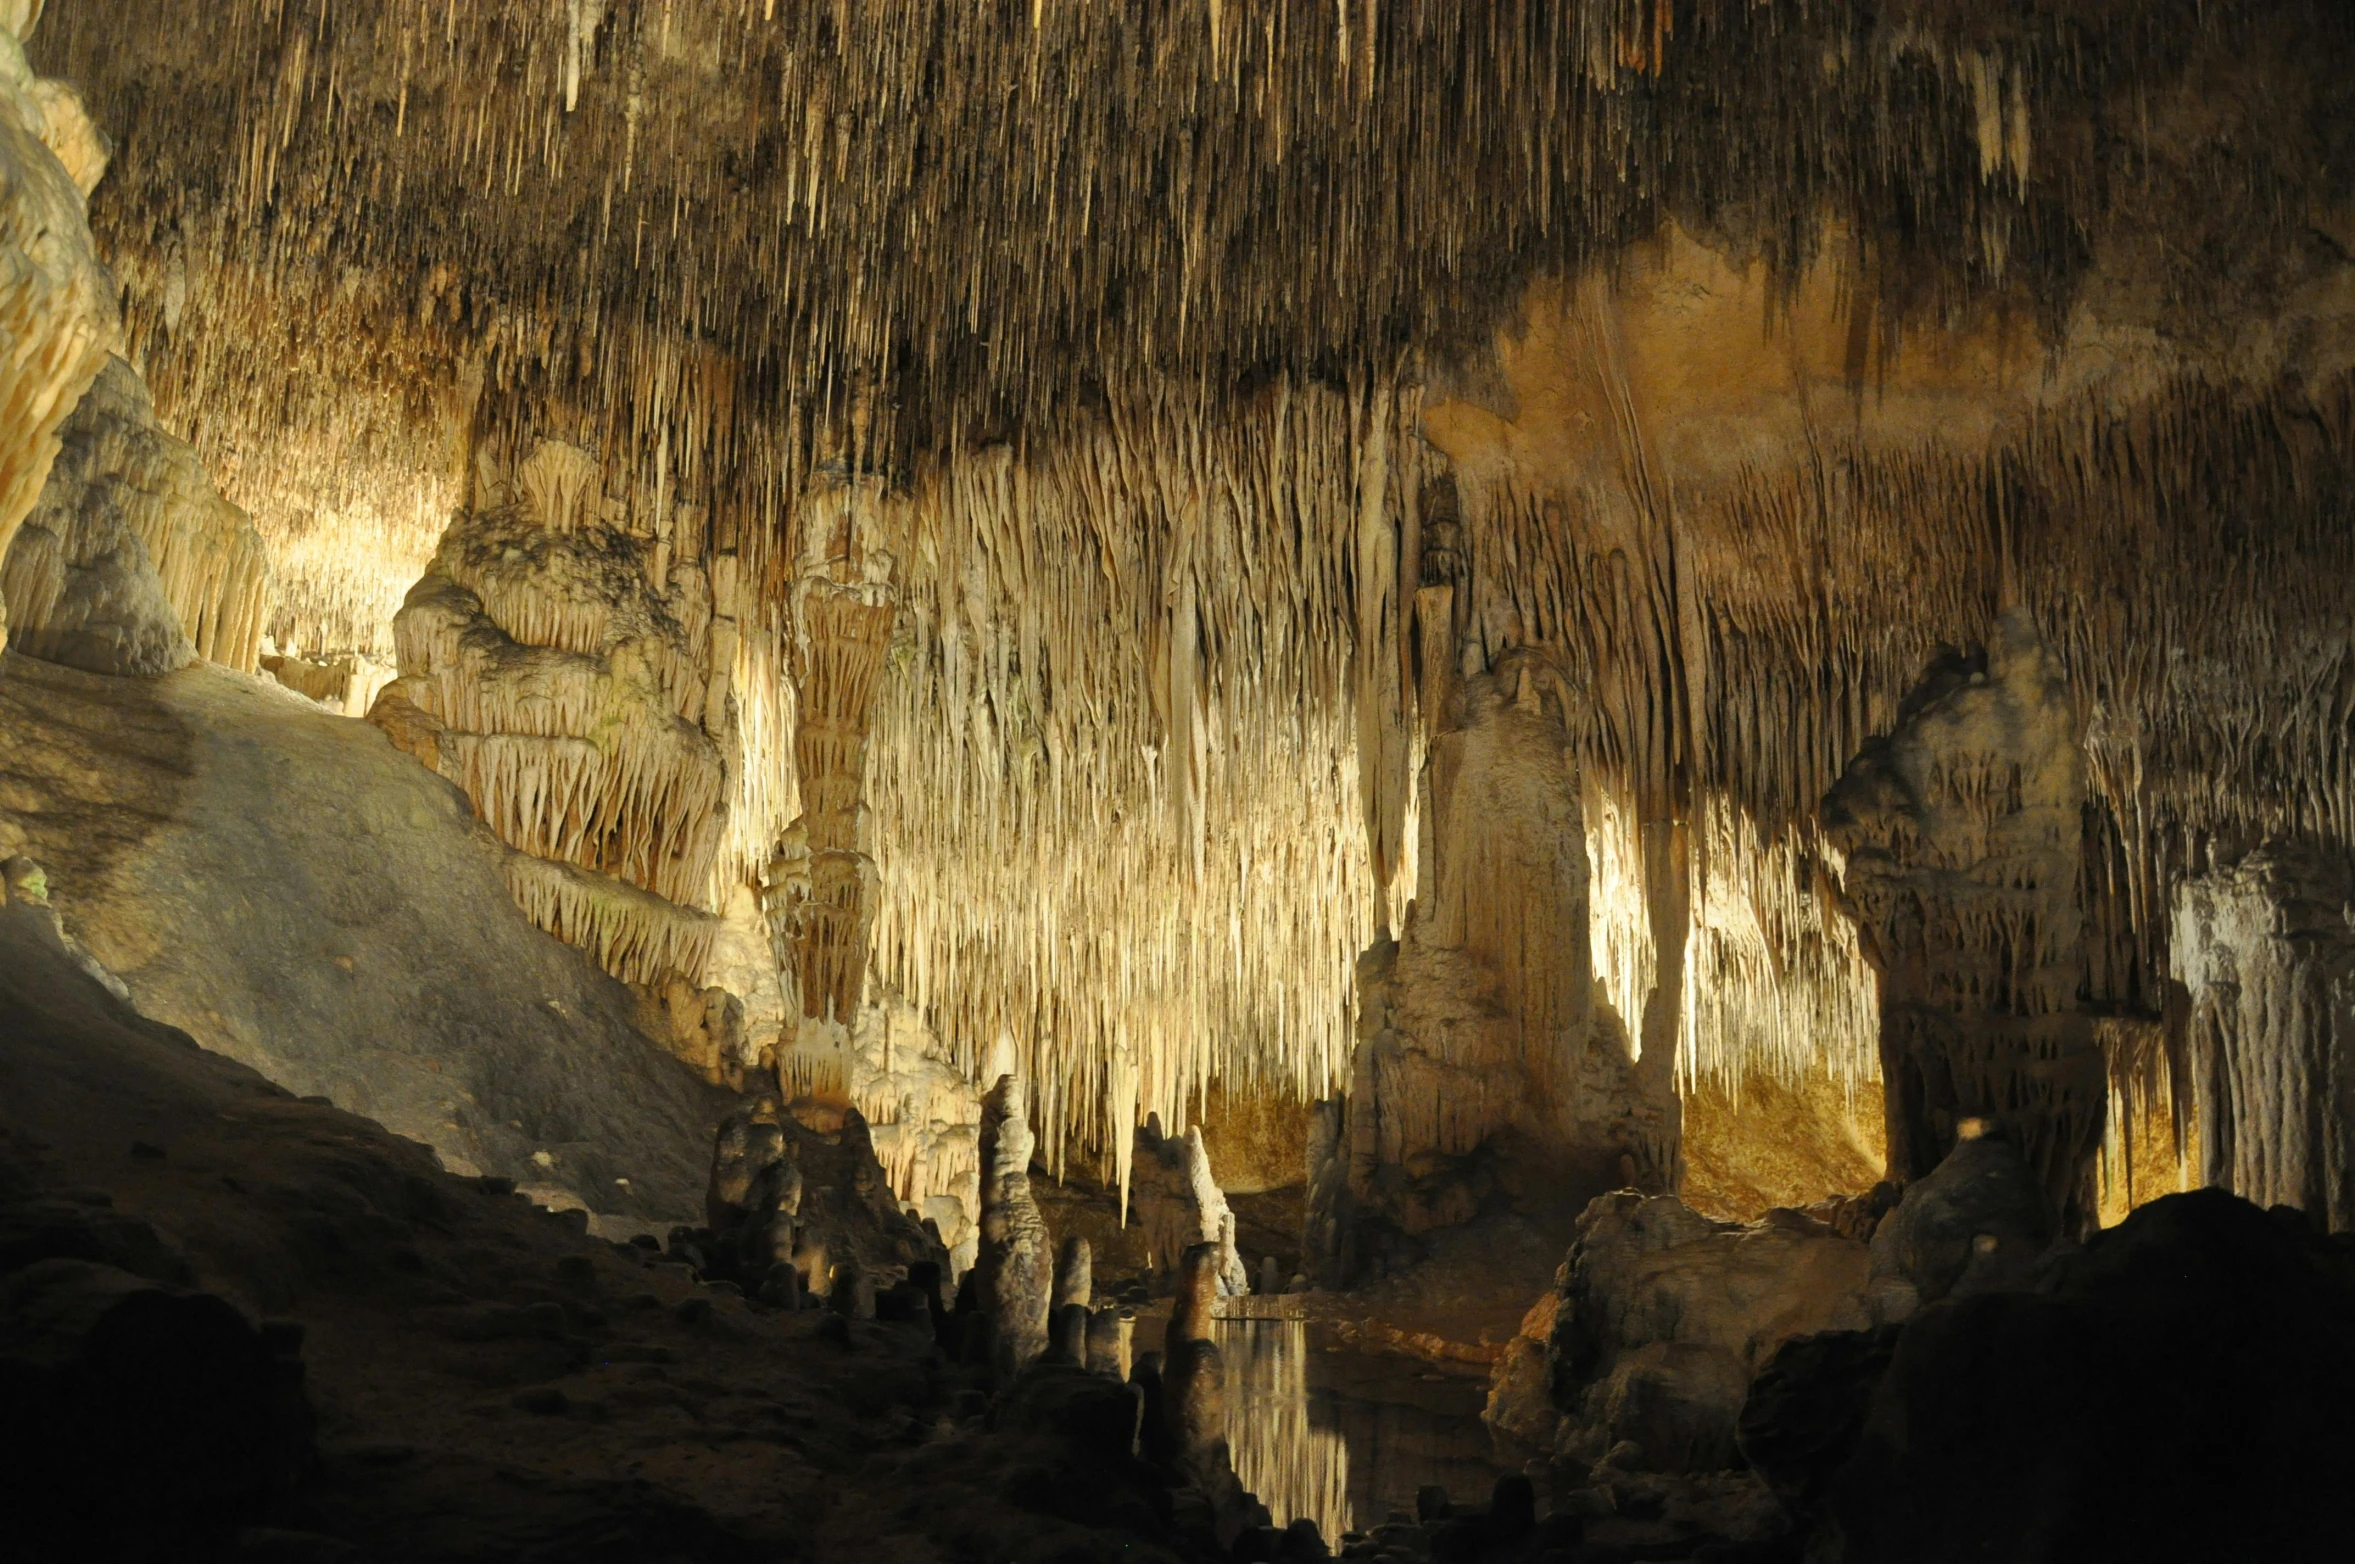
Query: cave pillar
822, 888
1963, 833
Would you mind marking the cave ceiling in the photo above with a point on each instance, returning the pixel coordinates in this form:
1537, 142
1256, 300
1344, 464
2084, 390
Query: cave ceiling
1772, 345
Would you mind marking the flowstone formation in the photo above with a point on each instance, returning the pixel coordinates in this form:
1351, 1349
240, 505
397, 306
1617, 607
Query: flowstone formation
575, 681
1963, 833
131, 563
57, 310
2266, 949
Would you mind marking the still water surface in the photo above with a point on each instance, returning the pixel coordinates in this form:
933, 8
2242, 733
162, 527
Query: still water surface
1344, 1437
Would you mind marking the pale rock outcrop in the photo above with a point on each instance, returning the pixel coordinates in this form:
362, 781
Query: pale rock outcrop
1175, 1199
57, 311
925, 1116
1015, 1268
1659, 1321
347, 682
1963, 834
2266, 948
580, 698
131, 563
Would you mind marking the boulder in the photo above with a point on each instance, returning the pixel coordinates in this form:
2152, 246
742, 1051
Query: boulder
1978, 1223
1661, 1318
2175, 1390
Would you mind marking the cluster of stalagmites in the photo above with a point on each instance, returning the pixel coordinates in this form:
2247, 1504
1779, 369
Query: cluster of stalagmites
800, 1214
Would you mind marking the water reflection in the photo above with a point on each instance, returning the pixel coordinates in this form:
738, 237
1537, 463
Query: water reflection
1346, 1437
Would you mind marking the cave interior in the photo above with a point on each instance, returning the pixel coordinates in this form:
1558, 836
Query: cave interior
1046, 781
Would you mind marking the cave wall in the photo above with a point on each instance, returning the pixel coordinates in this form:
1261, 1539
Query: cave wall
2266, 950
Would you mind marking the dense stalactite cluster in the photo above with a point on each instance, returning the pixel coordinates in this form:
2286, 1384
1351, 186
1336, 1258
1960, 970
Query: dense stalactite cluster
1135, 338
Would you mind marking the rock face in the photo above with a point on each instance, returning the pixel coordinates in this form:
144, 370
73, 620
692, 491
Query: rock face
1015, 1269
1963, 831
131, 563
2176, 1390
286, 888
2266, 948
925, 1116
1978, 1223
575, 680
1660, 1320
1479, 1030
1176, 1200
57, 309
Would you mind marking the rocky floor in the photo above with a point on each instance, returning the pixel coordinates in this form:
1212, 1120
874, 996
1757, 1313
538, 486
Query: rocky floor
487, 1381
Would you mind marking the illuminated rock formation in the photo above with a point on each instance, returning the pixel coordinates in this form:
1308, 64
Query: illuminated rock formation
2266, 947
1015, 1268
1963, 835
1175, 1201
822, 889
584, 709
1480, 1034
57, 309
131, 563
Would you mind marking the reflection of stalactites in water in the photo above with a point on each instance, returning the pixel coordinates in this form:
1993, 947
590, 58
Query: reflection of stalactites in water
1295, 1467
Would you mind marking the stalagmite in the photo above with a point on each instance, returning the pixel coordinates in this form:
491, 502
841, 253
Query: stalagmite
1178, 1205
1016, 1266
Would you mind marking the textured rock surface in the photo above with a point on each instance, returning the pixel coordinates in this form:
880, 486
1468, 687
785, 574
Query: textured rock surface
1480, 1035
1175, 1199
1978, 1223
2267, 949
1015, 1267
488, 1382
583, 705
1660, 1321
57, 310
1963, 833
289, 890
132, 563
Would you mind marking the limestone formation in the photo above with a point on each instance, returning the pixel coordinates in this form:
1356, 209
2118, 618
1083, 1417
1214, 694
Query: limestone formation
131, 563
2266, 948
1015, 1266
1660, 1320
1480, 1030
1962, 833
582, 703
57, 310
1176, 1202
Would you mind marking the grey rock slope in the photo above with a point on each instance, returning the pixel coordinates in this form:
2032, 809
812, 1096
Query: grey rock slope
289, 890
